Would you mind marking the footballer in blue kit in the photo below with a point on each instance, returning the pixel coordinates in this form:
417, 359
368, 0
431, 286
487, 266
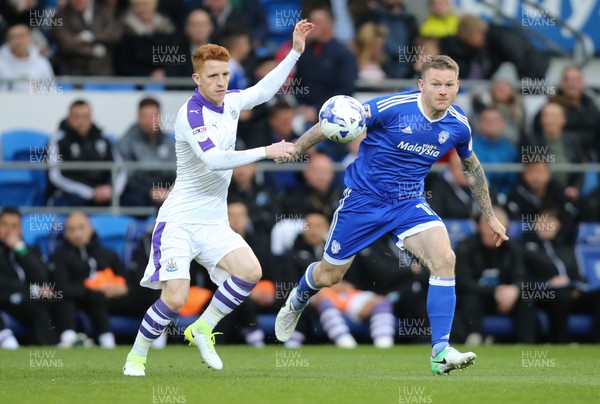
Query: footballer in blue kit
406, 134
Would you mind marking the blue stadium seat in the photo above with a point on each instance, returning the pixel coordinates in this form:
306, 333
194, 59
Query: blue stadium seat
588, 261
27, 187
281, 19
116, 233
43, 230
498, 325
108, 87
23, 144
154, 87
459, 229
588, 233
19, 188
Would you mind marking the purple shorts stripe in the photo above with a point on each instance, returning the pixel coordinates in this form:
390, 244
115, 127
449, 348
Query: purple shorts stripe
233, 293
219, 296
156, 240
206, 145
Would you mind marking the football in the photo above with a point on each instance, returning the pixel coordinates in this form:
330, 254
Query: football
342, 119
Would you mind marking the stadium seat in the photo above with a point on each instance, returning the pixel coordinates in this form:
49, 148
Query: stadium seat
588, 261
42, 230
26, 187
23, 145
498, 325
281, 19
154, 87
588, 233
459, 229
19, 188
116, 233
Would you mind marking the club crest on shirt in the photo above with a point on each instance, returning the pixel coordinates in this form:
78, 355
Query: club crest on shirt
367, 108
443, 136
171, 265
100, 146
335, 247
233, 112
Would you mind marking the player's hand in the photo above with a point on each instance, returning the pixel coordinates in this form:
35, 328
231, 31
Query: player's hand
280, 151
498, 229
301, 31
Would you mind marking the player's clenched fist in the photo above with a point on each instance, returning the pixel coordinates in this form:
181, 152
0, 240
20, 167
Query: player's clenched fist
280, 151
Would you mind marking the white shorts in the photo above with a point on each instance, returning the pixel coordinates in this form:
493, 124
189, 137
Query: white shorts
175, 245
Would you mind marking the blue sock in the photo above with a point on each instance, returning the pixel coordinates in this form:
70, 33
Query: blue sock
441, 301
305, 290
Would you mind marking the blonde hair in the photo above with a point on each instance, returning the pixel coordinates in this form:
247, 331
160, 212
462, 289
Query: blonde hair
439, 62
365, 40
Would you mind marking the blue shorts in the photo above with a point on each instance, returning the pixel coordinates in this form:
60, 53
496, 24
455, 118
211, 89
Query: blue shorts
360, 220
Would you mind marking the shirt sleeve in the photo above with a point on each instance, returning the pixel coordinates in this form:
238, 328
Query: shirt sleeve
464, 146
371, 113
266, 88
203, 142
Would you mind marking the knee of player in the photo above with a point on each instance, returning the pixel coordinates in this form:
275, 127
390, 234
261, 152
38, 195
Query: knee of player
333, 276
445, 261
251, 272
175, 301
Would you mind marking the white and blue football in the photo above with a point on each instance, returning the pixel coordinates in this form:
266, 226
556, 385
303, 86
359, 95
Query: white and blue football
342, 119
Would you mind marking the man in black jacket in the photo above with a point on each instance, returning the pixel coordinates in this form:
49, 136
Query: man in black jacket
79, 140
24, 287
480, 48
75, 264
553, 281
488, 280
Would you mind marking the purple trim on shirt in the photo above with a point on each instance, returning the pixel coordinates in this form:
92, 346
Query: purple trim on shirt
199, 98
206, 145
156, 240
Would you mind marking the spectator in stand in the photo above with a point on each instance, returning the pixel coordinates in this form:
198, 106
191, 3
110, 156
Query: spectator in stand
326, 68
402, 31
582, 114
563, 147
258, 199
146, 48
489, 281
224, 16
237, 42
86, 39
21, 64
480, 48
145, 141
491, 147
589, 210
554, 283
441, 21
369, 49
537, 190
90, 276
502, 96
80, 140
424, 48
198, 29
318, 193
24, 287
449, 194
31, 14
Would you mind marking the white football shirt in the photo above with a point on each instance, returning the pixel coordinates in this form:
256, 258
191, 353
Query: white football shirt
200, 194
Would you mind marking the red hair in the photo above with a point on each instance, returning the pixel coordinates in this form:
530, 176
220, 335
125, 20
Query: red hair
209, 52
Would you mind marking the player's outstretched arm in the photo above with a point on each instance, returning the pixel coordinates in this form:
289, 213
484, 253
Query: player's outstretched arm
266, 88
217, 160
478, 184
310, 138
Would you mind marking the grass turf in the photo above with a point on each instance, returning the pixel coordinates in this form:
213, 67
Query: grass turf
312, 374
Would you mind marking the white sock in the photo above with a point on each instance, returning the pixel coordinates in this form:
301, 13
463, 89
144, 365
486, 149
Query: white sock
212, 315
160, 342
8, 340
107, 340
68, 338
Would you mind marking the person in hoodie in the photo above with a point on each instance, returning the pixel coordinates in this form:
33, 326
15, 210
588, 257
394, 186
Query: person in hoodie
81, 267
80, 140
22, 67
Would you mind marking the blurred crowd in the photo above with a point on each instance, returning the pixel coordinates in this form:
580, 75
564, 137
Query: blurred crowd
285, 216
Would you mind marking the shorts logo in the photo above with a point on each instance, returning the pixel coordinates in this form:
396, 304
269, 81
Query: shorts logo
171, 265
443, 136
335, 247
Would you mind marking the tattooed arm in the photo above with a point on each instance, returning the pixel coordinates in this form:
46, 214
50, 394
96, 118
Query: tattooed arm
310, 138
479, 188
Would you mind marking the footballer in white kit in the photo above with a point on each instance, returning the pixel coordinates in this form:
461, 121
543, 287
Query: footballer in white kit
192, 223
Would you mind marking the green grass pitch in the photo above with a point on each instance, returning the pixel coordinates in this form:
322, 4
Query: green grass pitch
312, 374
